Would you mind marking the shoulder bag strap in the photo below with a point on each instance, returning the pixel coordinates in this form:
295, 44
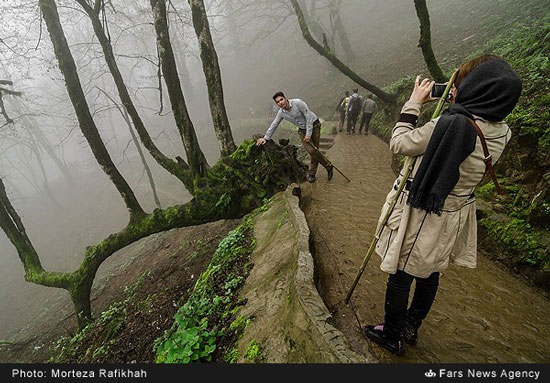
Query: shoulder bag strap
488, 157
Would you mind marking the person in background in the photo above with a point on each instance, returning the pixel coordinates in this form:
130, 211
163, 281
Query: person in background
309, 128
354, 108
369, 105
342, 108
433, 223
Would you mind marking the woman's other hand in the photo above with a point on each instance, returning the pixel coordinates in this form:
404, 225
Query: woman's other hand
421, 91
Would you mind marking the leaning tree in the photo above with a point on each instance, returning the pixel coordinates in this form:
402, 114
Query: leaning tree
425, 41
331, 56
236, 184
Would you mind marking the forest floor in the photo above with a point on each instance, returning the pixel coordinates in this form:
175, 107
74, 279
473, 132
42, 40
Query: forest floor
142, 282
480, 315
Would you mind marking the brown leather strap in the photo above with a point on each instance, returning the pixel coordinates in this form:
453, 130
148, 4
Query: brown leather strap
488, 157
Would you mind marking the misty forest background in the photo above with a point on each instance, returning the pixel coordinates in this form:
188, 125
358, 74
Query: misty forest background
55, 191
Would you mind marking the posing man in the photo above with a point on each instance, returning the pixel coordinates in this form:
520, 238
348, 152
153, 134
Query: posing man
309, 129
368, 109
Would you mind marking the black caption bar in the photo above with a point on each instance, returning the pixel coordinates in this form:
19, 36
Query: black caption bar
431, 373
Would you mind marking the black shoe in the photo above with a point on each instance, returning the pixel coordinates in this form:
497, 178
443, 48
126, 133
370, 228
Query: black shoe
410, 334
330, 172
376, 334
311, 178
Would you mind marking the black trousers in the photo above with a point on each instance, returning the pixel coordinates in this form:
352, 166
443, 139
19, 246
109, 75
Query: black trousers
365, 121
352, 120
397, 298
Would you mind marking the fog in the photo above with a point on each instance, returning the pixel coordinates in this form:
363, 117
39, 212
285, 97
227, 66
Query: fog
260, 50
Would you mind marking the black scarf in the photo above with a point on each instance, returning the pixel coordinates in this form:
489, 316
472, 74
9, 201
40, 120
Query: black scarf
490, 91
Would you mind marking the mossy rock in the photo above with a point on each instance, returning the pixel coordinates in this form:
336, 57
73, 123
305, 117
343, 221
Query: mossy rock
239, 183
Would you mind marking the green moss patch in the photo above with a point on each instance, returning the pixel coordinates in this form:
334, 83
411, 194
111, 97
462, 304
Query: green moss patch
515, 236
253, 353
203, 329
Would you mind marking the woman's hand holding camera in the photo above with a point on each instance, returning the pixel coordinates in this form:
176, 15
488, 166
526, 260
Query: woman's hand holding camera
421, 92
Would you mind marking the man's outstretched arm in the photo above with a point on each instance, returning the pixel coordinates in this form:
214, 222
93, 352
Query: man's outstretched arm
276, 121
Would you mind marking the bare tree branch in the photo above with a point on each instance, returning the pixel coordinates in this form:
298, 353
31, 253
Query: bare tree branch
389, 98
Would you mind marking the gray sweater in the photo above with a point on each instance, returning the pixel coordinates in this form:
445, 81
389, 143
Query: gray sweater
299, 114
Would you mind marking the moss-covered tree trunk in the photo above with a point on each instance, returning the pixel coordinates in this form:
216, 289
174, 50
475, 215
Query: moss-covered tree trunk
85, 120
213, 76
78, 284
425, 41
80, 293
177, 168
233, 187
11, 224
195, 157
389, 98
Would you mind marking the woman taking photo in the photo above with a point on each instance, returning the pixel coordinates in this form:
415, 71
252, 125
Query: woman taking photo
434, 221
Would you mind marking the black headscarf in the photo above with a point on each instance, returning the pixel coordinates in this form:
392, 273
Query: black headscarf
490, 91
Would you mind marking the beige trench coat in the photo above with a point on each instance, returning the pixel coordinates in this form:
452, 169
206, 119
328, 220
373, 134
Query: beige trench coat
420, 243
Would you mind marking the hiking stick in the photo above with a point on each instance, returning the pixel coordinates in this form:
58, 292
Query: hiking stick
410, 162
327, 160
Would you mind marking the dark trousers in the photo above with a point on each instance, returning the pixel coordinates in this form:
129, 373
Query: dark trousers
316, 159
342, 118
397, 298
352, 121
365, 121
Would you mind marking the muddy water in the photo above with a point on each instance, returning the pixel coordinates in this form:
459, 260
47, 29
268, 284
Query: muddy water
479, 315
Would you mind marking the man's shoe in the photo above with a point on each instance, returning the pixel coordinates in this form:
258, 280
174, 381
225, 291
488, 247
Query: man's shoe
330, 172
410, 334
376, 334
311, 178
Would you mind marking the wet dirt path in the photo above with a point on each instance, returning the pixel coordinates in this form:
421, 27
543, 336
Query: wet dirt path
479, 315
